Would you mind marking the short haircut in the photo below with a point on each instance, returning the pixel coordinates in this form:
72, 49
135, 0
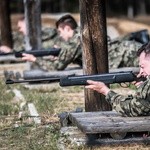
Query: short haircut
144, 48
21, 18
67, 20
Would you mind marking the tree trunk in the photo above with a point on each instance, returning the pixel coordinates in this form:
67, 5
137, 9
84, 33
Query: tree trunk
141, 7
33, 23
5, 23
95, 54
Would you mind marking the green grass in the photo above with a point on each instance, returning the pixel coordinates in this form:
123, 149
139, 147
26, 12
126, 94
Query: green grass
30, 138
6, 98
27, 135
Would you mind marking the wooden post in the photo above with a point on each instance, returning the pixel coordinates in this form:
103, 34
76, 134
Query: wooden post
95, 54
33, 22
5, 23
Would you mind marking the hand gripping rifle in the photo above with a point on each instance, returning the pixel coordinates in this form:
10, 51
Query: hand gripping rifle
74, 80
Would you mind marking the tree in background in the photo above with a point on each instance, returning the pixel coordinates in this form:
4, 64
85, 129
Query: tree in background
5, 24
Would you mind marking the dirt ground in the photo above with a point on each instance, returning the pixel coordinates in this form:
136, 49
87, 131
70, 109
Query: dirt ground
123, 25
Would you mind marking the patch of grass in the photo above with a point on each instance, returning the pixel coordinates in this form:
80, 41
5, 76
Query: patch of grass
35, 138
6, 97
44, 101
5, 92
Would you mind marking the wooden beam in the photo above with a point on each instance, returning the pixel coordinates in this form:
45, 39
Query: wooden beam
95, 54
5, 23
33, 22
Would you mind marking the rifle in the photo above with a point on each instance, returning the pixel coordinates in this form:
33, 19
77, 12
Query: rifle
4, 54
107, 78
73, 80
36, 53
44, 80
40, 53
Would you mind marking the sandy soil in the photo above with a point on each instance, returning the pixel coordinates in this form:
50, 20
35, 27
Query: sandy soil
124, 25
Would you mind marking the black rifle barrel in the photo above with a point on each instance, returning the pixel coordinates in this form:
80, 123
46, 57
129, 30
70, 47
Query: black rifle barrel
40, 53
47, 80
5, 54
70, 80
108, 78
36, 53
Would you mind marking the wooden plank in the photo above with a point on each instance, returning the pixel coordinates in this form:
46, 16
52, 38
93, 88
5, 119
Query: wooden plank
74, 135
109, 122
33, 112
110, 141
94, 114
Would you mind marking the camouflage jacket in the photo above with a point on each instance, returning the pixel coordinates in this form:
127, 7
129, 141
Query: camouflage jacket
70, 53
18, 41
132, 105
123, 53
49, 36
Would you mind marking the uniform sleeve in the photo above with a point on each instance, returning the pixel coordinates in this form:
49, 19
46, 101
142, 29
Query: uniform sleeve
137, 105
67, 55
18, 40
49, 37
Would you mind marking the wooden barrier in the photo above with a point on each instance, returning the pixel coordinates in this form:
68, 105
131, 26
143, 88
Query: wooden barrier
96, 124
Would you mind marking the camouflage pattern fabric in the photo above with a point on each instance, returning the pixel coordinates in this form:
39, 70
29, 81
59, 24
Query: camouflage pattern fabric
132, 105
49, 38
122, 53
70, 52
18, 41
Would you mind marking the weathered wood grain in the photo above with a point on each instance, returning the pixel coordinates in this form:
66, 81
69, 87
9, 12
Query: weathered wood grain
109, 122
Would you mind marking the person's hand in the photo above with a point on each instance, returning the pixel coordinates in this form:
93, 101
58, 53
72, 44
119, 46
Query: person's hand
138, 83
56, 46
5, 49
28, 57
97, 86
53, 58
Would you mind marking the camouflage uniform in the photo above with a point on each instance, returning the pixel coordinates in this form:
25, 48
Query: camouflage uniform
132, 105
49, 36
70, 53
122, 53
18, 41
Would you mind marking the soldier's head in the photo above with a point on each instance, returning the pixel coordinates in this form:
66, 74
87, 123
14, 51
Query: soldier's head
21, 25
66, 26
144, 59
